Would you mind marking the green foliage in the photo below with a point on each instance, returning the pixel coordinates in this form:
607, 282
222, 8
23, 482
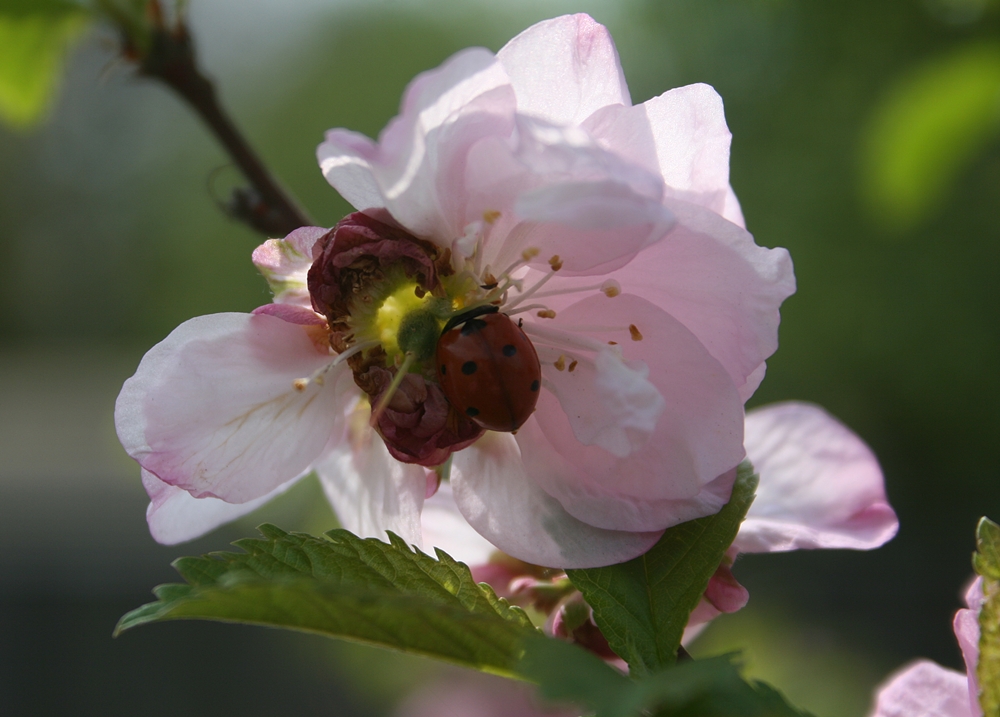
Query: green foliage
34, 39
642, 606
987, 563
930, 127
706, 688
346, 587
393, 596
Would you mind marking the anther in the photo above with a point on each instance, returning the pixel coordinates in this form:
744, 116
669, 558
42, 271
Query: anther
634, 331
546, 314
560, 363
530, 253
555, 262
300, 384
572, 366
611, 288
612, 343
490, 216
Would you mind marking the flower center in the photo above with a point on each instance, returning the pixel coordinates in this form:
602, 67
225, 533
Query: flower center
406, 323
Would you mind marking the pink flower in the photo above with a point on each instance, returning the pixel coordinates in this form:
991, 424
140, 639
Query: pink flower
526, 181
925, 689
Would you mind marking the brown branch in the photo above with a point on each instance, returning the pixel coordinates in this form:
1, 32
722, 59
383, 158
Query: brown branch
169, 56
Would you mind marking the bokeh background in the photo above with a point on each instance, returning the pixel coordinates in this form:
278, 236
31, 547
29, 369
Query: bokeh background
866, 141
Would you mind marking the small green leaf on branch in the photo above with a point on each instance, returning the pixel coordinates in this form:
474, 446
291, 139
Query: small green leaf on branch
642, 606
347, 587
986, 561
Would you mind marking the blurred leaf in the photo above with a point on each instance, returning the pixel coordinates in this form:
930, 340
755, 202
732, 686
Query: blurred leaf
986, 559
642, 606
346, 587
987, 563
702, 688
34, 39
929, 127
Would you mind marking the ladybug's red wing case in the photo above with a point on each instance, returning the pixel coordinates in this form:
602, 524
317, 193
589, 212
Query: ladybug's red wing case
489, 371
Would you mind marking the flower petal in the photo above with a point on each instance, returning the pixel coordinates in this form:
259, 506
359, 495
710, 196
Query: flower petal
370, 491
212, 408
683, 137
966, 626
496, 496
820, 485
564, 69
416, 171
445, 527
175, 516
683, 470
923, 689
709, 275
285, 264
609, 403
345, 158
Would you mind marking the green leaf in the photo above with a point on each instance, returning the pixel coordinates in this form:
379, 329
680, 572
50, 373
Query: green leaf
986, 561
642, 606
928, 128
34, 39
702, 688
343, 586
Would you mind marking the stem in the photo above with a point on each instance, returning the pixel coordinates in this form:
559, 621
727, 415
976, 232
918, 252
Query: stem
267, 207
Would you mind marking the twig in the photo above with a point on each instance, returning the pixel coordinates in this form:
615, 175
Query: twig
169, 56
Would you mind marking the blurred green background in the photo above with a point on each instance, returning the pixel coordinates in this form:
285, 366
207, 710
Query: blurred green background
866, 141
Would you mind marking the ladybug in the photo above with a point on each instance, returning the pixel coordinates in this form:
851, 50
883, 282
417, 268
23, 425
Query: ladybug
488, 369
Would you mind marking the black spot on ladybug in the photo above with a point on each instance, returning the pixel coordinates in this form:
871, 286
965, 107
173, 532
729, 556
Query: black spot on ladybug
534, 385
444, 369
469, 368
509, 350
471, 412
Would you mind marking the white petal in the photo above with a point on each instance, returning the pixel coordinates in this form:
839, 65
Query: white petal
564, 69
445, 527
820, 485
507, 508
710, 275
416, 171
213, 408
370, 491
610, 403
698, 435
175, 516
285, 264
682, 135
924, 689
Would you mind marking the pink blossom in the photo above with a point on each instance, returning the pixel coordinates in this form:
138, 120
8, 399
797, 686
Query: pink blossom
531, 182
925, 689
820, 487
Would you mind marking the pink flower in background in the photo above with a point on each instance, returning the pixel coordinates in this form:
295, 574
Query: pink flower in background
820, 487
471, 694
925, 689
524, 180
